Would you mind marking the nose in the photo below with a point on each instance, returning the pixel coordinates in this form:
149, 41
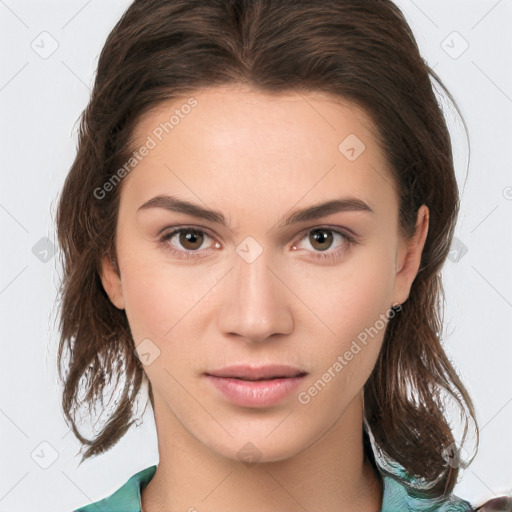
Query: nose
256, 301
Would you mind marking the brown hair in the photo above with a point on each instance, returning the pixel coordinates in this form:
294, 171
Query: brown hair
359, 50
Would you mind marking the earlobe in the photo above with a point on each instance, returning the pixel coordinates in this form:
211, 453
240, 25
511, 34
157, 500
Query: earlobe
408, 259
111, 281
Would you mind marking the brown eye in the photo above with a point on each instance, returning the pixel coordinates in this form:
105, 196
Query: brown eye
321, 239
190, 239
188, 243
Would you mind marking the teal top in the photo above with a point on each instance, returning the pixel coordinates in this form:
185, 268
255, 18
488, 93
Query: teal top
395, 498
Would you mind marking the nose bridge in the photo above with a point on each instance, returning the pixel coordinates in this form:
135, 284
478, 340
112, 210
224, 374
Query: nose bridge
255, 306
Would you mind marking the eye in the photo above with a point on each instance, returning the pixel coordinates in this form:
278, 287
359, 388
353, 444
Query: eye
321, 239
184, 242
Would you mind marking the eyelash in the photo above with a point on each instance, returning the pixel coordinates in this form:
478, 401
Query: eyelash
349, 241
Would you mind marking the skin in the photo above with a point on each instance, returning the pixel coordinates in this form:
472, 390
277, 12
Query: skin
256, 158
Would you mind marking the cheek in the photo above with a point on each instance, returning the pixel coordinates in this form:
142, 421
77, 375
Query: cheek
353, 304
152, 296
349, 298
162, 298
147, 304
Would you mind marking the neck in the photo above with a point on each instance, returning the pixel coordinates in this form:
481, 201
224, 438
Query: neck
331, 474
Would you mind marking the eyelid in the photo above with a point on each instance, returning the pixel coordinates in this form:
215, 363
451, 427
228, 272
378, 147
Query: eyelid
179, 227
168, 232
346, 232
343, 230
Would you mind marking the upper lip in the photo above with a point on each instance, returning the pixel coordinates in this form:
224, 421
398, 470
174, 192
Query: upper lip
270, 371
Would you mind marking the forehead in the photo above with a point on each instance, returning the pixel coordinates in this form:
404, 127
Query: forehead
230, 116
244, 146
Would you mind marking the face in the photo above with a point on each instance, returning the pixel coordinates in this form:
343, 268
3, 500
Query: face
256, 283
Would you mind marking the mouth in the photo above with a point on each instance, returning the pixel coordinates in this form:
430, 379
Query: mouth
264, 379
258, 373
254, 387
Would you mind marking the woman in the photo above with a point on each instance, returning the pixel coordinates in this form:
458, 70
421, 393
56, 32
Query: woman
224, 143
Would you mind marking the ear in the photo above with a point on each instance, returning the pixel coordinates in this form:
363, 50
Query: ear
409, 257
111, 281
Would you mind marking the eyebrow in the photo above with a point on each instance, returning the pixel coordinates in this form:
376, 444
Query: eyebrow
314, 212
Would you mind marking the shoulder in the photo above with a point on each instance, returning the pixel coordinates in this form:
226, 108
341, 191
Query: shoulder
397, 496
126, 498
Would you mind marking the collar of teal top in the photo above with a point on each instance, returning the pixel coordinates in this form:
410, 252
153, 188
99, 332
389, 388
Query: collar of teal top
395, 498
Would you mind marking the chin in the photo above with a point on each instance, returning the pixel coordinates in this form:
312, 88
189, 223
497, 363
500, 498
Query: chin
257, 447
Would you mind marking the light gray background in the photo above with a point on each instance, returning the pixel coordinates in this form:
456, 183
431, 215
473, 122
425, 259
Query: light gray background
41, 97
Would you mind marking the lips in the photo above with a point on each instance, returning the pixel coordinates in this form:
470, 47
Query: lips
255, 386
255, 373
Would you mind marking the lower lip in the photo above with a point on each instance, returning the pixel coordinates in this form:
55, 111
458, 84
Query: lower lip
261, 393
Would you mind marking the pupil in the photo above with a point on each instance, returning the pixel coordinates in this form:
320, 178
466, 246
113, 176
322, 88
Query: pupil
322, 236
190, 237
